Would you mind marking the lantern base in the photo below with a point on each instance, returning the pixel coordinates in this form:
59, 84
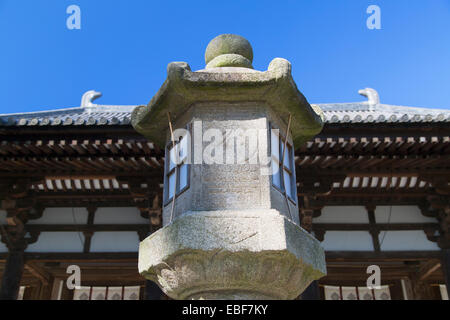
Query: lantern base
249, 254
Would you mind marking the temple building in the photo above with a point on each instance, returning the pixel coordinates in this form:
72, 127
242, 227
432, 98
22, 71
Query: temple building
81, 187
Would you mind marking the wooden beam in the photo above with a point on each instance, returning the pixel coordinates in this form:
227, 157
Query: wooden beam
80, 176
55, 173
79, 256
12, 275
348, 256
73, 203
428, 268
38, 272
84, 227
82, 195
317, 171
383, 255
382, 192
377, 226
331, 200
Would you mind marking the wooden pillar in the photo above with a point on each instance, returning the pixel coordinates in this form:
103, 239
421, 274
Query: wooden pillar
13, 235
444, 240
312, 292
446, 268
152, 291
306, 217
88, 234
17, 204
373, 230
12, 275
14, 238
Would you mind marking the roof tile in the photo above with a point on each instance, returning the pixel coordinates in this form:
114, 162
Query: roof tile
356, 112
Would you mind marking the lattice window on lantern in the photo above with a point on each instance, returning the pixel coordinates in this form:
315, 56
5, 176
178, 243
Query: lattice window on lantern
177, 160
287, 173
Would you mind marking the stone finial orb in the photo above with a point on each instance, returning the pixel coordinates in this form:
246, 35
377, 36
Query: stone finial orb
229, 50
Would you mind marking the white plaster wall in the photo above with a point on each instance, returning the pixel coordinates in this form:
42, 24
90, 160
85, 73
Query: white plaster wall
401, 214
70, 241
127, 241
62, 216
3, 247
414, 240
129, 215
343, 214
58, 242
347, 241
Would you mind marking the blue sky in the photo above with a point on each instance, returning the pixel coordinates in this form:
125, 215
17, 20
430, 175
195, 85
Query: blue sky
123, 48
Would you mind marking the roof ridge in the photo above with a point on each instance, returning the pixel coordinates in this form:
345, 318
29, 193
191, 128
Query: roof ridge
95, 108
365, 106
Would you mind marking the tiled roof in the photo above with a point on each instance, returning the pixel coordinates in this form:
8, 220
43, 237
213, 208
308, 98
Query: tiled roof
89, 116
363, 112
357, 112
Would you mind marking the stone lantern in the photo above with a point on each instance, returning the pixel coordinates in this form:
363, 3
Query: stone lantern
230, 212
